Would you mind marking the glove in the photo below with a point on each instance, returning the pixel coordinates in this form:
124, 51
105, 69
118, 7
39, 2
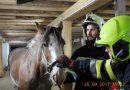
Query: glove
65, 61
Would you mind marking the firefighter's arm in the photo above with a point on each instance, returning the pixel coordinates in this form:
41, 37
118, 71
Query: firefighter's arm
100, 69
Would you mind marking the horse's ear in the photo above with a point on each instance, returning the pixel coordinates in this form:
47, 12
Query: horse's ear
60, 27
40, 28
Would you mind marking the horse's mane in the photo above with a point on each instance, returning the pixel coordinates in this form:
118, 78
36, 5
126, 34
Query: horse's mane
35, 41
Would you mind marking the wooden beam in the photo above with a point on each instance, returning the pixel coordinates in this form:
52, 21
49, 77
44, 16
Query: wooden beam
18, 31
1, 63
18, 27
120, 7
65, 0
21, 23
106, 11
67, 35
18, 34
18, 43
8, 1
51, 3
23, 7
109, 12
30, 14
79, 9
32, 22
7, 17
16, 38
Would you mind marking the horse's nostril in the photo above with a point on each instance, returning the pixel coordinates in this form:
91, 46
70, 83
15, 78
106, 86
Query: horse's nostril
54, 77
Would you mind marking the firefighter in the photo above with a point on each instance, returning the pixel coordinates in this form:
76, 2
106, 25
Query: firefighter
115, 35
91, 32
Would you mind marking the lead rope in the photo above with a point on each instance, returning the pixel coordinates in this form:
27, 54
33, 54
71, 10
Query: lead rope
50, 67
59, 86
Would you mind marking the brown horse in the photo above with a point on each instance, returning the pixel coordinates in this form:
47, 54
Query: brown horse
28, 66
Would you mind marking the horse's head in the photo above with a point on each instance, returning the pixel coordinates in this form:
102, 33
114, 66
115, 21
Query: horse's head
52, 45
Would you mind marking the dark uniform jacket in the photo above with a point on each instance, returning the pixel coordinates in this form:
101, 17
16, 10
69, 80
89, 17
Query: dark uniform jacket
84, 81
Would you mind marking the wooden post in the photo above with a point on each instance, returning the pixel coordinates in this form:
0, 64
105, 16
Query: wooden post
120, 7
1, 63
67, 35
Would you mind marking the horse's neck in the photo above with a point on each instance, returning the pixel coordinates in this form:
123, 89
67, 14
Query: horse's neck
33, 54
34, 41
35, 49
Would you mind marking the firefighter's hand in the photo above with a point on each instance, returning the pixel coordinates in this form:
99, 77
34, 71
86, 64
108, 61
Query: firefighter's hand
65, 61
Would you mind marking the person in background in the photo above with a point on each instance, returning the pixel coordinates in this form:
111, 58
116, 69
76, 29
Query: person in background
115, 35
91, 32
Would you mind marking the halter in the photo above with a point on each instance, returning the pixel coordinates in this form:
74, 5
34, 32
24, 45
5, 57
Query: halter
49, 69
44, 59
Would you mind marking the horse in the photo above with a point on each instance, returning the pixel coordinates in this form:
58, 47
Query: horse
31, 68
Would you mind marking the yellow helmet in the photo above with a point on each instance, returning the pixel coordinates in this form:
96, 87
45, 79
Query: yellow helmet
116, 34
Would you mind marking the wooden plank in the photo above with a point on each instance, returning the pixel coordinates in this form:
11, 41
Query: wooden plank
65, 0
1, 63
18, 43
120, 7
17, 38
30, 14
21, 23
79, 9
106, 11
23, 7
24, 22
109, 12
7, 17
8, 1
14, 27
18, 34
18, 31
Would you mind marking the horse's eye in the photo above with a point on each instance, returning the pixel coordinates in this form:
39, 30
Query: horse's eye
51, 44
44, 44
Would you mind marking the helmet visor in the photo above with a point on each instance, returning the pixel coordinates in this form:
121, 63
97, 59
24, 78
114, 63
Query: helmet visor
121, 49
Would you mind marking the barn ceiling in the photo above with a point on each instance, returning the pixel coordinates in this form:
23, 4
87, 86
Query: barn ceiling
17, 17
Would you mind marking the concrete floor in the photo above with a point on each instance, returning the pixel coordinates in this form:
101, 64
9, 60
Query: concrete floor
7, 84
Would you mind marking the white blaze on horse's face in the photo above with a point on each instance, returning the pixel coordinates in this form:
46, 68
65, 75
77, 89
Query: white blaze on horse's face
55, 48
